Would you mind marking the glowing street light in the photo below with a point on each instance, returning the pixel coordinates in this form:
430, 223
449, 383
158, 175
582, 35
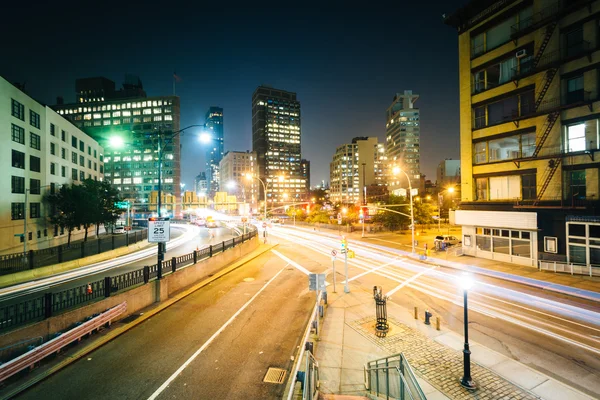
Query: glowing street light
396, 171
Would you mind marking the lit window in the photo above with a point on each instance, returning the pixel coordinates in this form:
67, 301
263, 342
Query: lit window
575, 138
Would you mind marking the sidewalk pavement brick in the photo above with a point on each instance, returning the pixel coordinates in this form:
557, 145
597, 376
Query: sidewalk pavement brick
439, 365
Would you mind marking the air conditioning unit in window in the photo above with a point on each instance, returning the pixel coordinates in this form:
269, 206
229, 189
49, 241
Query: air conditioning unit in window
521, 53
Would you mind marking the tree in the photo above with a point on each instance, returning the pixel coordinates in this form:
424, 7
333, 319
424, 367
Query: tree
65, 206
318, 215
101, 198
393, 220
423, 213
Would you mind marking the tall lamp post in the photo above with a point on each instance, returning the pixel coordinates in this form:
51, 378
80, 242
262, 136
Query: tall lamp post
466, 381
250, 176
395, 171
440, 201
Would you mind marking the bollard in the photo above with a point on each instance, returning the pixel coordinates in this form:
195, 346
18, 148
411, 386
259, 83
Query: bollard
427, 316
416, 312
437, 323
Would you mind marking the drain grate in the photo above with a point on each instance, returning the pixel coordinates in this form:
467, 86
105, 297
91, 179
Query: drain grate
275, 375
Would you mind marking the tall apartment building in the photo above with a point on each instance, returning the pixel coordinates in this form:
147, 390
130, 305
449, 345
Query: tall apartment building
276, 136
233, 169
448, 173
214, 154
305, 171
356, 166
201, 183
529, 79
105, 113
42, 152
403, 138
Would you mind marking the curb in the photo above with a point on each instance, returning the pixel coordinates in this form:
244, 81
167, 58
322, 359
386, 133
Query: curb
121, 330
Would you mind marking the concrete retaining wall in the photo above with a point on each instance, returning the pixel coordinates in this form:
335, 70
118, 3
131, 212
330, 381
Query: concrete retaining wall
138, 298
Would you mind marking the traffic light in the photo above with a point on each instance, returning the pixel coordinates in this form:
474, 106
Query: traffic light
344, 242
361, 214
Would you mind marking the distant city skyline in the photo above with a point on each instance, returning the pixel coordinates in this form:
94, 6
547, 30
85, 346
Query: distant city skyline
341, 68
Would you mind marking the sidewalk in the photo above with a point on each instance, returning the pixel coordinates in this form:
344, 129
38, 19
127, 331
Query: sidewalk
348, 341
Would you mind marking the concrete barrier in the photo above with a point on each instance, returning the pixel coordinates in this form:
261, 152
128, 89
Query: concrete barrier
42, 272
137, 298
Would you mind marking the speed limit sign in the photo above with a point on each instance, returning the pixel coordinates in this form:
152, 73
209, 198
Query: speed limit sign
159, 230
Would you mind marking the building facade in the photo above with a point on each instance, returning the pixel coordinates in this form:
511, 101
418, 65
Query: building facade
355, 167
276, 139
528, 73
305, 171
131, 161
234, 167
403, 134
214, 154
448, 173
201, 183
42, 152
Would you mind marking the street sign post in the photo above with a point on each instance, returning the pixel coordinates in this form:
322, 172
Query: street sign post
159, 230
333, 254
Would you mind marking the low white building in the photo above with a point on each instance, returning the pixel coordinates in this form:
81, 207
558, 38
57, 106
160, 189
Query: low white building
42, 152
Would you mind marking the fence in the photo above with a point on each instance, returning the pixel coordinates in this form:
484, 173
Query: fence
44, 306
11, 263
392, 378
569, 268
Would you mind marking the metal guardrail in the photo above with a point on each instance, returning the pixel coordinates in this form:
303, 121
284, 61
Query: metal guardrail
569, 268
34, 356
17, 313
310, 389
392, 378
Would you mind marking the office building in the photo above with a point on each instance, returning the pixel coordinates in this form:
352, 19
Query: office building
355, 167
305, 172
276, 137
402, 139
127, 114
448, 173
201, 183
529, 130
233, 168
42, 152
214, 154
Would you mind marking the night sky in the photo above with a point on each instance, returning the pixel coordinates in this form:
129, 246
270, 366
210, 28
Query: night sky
345, 65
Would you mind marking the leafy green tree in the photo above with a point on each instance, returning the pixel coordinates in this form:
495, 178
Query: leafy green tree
423, 213
101, 198
65, 208
393, 220
318, 215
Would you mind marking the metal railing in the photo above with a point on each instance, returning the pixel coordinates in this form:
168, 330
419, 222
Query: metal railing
392, 378
11, 263
310, 389
35, 355
15, 313
569, 268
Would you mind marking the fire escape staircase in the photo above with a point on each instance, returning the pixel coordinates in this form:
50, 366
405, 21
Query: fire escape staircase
553, 165
549, 30
546, 129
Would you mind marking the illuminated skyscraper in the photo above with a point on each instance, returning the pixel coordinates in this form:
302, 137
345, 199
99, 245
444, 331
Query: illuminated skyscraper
214, 154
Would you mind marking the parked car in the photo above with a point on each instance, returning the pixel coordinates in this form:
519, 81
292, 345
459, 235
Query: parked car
119, 229
446, 240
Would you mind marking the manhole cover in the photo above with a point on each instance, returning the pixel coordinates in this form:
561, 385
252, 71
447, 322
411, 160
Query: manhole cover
275, 375
248, 279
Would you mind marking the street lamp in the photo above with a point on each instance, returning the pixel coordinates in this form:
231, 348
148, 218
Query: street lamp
466, 381
250, 177
440, 201
395, 171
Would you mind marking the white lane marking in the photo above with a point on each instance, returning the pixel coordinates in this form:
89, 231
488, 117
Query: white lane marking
406, 282
209, 341
291, 262
374, 269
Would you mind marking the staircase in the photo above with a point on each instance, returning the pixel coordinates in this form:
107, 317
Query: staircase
547, 36
340, 397
546, 129
553, 165
550, 74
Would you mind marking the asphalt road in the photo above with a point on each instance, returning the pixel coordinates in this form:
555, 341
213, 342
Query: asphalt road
233, 362
553, 333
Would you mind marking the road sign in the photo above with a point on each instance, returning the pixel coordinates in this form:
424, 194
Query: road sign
264, 225
159, 230
316, 282
122, 204
19, 234
244, 219
343, 251
333, 253
351, 254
